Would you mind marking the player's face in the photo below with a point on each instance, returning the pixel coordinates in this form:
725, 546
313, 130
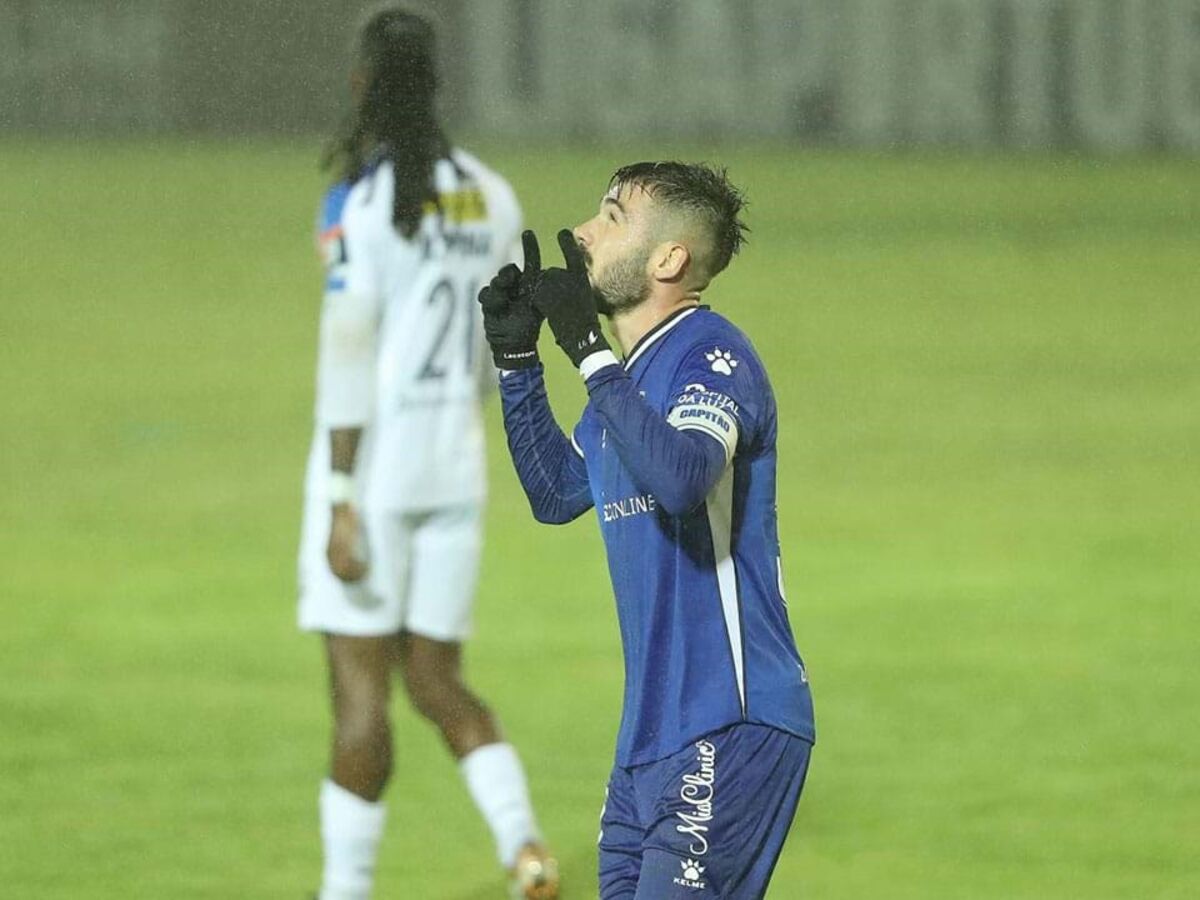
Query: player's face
616, 246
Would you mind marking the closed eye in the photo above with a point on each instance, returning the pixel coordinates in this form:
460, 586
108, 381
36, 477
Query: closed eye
612, 206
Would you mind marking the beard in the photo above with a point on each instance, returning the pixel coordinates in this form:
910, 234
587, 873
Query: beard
623, 286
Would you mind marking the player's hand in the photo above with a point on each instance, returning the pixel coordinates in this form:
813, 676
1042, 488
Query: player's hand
510, 321
566, 299
345, 545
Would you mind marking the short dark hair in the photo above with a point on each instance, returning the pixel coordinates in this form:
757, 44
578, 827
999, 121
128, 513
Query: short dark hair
699, 189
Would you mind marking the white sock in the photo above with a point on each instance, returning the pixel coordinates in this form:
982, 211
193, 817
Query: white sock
496, 781
350, 832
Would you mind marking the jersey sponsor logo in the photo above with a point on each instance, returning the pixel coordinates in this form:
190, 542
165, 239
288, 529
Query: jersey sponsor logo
722, 361
331, 244
697, 792
692, 870
699, 395
711, 416
708, 412
457, 207
637, 505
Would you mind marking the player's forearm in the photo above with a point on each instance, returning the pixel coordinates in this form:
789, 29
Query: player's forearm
680, 468
343, 449
342, 488
551, 472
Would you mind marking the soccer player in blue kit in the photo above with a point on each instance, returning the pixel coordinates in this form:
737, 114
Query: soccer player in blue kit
676, 452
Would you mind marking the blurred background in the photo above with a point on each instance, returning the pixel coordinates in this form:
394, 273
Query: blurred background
1106, 75
972, 276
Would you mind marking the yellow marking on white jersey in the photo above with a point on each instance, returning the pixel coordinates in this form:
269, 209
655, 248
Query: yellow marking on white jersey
460, 206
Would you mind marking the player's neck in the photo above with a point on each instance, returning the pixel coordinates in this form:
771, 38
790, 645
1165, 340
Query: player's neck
630, 326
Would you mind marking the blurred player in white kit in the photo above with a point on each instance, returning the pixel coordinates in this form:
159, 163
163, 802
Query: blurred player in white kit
391, 539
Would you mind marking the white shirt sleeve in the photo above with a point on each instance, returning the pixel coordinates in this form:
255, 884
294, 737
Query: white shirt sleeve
350, 316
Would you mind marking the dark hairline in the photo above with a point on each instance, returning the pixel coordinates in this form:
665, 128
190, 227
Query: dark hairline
697, 188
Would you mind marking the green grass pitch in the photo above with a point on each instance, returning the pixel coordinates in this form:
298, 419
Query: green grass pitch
988, 372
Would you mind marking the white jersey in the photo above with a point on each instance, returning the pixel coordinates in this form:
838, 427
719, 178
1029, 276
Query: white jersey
422, 445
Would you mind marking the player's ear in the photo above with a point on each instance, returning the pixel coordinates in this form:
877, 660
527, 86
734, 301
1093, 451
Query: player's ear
670, 262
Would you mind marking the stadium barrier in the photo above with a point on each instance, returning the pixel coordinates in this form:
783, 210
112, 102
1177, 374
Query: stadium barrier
1098, 75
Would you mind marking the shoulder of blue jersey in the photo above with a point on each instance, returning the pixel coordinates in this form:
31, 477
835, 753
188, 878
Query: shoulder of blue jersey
716, 344
718, 380
718, 367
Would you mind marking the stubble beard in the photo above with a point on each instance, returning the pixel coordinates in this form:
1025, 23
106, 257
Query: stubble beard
623, 286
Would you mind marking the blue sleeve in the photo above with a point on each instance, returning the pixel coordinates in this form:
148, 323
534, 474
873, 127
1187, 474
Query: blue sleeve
679, 467
553, 475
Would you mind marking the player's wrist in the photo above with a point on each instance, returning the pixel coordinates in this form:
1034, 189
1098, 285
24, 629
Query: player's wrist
581, 342
342, 488
511, 359
596, 361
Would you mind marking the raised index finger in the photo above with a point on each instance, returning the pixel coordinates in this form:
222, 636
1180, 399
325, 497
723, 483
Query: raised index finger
533, 253
571, 252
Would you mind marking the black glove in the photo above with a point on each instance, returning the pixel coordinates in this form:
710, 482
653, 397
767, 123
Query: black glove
565, 298
510, 321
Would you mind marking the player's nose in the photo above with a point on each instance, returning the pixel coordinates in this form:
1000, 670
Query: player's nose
582, 236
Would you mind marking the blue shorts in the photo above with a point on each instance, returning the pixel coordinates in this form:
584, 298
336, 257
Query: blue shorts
706, 823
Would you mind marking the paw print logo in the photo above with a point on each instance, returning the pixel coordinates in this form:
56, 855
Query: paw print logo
722, 361
692, 869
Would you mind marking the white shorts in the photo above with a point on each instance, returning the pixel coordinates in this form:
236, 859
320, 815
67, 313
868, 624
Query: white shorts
421, 575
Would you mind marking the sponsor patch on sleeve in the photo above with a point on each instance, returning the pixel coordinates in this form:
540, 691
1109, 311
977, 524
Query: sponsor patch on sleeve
331, 244
712, 412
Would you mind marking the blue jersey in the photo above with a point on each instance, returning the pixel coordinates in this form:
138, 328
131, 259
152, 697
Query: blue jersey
676, 451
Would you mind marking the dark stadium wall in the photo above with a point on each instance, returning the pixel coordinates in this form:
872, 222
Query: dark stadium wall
1104, 76
194, 66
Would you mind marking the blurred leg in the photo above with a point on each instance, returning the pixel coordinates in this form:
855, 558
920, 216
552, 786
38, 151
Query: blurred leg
441, 593
352, 817
432, 677
490, 767
360, 682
